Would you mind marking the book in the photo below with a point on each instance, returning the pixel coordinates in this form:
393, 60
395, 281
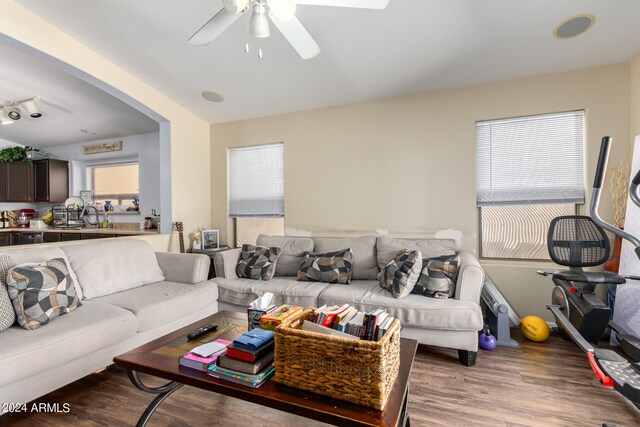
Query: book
243, 380
193, 361
384, 327
244, 367
314, 327
371, 323
355, 324
330, 316
343, 318
249, 355
242, 375
275, 317
254, 339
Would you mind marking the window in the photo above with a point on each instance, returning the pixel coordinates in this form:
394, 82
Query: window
117, 183
256, 191
529, 171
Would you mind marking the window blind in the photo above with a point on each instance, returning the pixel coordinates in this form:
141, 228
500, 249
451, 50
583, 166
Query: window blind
256, 181
536, 159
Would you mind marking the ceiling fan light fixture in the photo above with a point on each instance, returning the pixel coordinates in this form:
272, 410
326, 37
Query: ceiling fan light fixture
259, 25
284, 10
235, 6
32, 107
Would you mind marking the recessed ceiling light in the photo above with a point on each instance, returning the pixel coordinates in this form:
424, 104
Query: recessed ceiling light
212, 96
88, 132
574, 26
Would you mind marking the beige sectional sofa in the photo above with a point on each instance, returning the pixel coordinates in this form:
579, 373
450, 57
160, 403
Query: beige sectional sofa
131, 296
452, 323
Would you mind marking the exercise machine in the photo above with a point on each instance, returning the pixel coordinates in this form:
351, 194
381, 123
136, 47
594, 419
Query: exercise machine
577, 242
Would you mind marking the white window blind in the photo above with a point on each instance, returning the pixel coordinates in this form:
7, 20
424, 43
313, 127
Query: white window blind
256, 181
535, 159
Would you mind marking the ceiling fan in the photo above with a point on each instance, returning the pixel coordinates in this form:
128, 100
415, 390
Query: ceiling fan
281, 13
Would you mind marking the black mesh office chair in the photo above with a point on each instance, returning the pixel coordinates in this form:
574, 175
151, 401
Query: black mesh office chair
577, 241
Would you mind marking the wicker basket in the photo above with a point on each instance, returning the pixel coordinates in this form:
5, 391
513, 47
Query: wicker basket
357, 371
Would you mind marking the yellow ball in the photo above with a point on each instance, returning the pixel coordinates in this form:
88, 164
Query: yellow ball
534, 328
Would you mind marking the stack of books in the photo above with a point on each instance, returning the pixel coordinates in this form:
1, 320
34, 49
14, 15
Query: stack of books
369, 326
248, 360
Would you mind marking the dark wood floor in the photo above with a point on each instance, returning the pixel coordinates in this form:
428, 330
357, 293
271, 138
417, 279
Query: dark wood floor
547, 384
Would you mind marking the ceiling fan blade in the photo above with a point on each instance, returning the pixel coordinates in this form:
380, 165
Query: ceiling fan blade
362, 4
216, 26
297, 36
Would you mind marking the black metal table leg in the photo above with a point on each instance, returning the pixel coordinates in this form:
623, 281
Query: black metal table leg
162, 393
404, 413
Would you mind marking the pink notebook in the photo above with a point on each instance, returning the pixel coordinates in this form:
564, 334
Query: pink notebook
194, 361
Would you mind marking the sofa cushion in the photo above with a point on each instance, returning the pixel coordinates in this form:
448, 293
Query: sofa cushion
160, 303
329, 267
40, 254
402, 273
286, 290
90, 328
293, 250
7, 315
363, 249
41, 293
113, 265
257, 262
438, 277
413, 311
388, 248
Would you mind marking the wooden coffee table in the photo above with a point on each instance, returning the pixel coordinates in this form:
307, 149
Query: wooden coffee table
160, 359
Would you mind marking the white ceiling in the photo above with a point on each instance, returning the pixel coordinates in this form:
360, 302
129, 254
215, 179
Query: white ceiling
412, 46
68, 104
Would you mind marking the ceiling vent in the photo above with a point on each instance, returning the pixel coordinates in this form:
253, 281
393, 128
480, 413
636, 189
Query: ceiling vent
574, 26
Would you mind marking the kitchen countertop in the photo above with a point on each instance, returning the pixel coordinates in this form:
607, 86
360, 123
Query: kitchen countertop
88, 230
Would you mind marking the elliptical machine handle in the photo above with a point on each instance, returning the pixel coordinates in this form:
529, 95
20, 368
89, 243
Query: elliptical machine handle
595, 198
601, 168
633, 189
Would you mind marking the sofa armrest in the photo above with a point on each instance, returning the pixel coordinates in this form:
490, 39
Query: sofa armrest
225, 263
184, 268
470, 278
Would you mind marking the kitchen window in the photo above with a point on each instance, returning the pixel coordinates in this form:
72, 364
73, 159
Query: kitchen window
529, 171
256, 191
117, 183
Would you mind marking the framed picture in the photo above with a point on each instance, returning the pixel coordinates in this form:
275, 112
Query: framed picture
210, 239
87, 197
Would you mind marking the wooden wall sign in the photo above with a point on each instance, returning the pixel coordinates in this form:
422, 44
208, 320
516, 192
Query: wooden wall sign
103, 147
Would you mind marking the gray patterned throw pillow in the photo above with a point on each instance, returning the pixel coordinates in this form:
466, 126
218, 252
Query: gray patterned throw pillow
41, 292
401, 273
329, 267
257, 262
7, 315
438, 278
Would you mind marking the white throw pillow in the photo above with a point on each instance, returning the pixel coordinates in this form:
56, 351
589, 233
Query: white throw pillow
109, 266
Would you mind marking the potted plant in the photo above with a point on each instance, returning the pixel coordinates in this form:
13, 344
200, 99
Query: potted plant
17, 154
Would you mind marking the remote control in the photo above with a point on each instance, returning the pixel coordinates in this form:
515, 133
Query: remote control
201, 331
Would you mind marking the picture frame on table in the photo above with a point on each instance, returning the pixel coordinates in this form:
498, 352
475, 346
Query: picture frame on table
210, 239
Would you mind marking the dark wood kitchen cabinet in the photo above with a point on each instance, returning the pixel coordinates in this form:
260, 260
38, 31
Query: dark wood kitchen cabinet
18, 182
3, 182
51, 178
5, 239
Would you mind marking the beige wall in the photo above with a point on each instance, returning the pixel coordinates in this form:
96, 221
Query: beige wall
407, 164
190, 167
635, 96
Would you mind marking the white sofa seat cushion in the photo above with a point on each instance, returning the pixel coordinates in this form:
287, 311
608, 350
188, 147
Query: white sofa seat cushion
413, 311
91, 327
113, 265
160, 303
286, 290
